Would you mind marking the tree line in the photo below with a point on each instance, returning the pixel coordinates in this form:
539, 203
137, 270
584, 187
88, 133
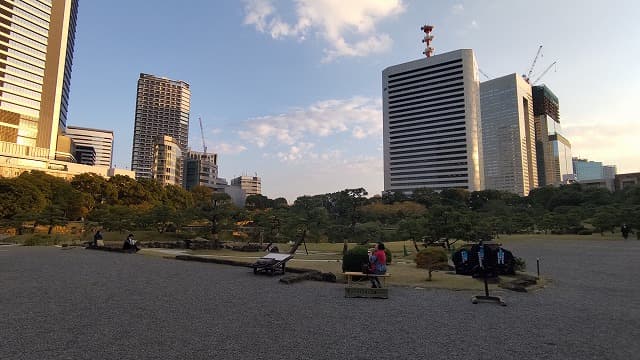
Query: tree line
351, 215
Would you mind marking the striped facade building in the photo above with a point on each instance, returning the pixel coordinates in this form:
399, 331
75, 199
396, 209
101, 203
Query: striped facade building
431, 124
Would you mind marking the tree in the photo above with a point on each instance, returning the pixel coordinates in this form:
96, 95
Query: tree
258, 202
218, 210
346, 205
51, 216
415, 227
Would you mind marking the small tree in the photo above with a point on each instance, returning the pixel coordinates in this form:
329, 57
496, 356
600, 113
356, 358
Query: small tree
432, 258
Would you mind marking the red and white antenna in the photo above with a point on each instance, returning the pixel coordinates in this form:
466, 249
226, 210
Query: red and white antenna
428, 51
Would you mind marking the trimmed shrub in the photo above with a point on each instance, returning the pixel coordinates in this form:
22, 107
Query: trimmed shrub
519, 264
357, 256
42, 240
585, 232
431, 255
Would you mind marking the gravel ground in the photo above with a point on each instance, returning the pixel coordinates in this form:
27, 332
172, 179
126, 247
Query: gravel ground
80, 304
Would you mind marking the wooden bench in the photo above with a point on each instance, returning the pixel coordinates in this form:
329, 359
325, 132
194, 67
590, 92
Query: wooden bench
352, 291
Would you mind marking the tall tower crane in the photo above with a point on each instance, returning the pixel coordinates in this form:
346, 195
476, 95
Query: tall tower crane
204, 146
544, 73
533, 64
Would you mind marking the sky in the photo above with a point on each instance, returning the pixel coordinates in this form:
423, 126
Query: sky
290, 90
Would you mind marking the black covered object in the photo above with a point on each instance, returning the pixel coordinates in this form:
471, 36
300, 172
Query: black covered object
498, 261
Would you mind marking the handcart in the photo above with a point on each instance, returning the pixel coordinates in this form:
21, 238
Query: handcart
272, 263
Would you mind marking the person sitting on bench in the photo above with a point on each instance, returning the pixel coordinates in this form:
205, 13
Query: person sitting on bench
377, 264
130, 244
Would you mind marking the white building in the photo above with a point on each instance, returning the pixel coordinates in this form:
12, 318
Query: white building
251, 185
508, 135
100, 140
431, 123
167, 161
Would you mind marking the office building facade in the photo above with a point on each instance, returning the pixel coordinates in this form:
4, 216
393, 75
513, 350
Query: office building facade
100, 140
555, 165
36, 53
167, 161
162, 108
251, 185
431, 123
508, 135
200, 169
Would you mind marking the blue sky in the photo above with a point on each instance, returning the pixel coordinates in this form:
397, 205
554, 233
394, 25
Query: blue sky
291, 90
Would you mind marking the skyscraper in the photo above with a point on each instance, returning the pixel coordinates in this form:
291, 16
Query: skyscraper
431, 123
100, 140
36, 53
552, 148
162, 108
508, 135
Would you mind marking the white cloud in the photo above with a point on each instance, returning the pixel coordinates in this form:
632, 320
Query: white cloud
349, 27
359, 116
227, 149
474, 24
457, 9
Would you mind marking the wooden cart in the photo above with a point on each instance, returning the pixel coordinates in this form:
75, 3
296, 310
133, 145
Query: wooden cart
272, 263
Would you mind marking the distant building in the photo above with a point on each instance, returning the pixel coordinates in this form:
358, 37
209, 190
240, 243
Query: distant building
593, 173
251, 185
200, 169
587, 170
508, 135
100, 140
167, 161
623, 181
431, 123
553, 150
162, 108
85, 155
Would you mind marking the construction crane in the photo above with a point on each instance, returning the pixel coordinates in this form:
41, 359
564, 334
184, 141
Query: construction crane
483, 73
204, 146
544, 73
533, 65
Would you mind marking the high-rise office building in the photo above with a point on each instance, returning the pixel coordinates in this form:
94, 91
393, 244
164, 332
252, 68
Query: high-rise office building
100, 140
162, 108
200, 169
36, 53
167, 161
431, 123
552, 148
508, 135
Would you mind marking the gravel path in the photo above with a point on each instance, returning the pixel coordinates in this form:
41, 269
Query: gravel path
79, 304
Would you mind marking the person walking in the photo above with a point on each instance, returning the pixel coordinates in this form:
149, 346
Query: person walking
624, 229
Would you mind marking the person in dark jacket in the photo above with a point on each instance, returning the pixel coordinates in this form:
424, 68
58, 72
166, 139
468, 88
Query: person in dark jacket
130, 244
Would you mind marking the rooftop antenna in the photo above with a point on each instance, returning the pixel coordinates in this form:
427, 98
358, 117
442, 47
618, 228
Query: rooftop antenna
428, 51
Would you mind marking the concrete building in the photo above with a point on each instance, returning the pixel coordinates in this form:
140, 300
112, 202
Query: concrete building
623, 181
85, 155
251, 185
431, 122
167, 161
553, 150
508, 135
100, 140
162, 108
37, 40
200, 169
